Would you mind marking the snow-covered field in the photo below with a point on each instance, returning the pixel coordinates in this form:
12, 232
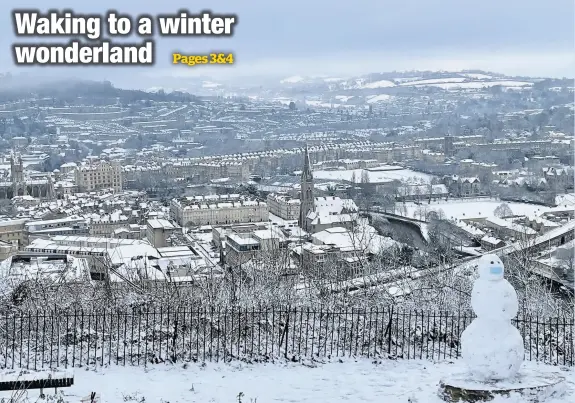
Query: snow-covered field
362, 380
375, 176
210, 84
459, 82
474, 208
565, 200
379, 98
435, 81
343, 98
477, 76
480, 84
292, 80
379, 84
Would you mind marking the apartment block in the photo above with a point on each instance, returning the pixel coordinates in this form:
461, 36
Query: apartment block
99, 175
283, 206
159, 231
13, 231
48, 228
189, 211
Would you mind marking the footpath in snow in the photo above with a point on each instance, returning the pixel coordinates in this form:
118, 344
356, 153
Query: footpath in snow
348, 381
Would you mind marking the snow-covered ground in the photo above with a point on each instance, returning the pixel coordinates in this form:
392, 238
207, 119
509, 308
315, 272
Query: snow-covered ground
480, 84
343, 98
477, 76
292, 80
379, 98
333, 79
462, 208
362, 380
435, 81
460, 82
394, 173
210, 84
379, 84
565, 200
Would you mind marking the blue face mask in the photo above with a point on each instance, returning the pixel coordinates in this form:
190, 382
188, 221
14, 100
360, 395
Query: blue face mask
496, 270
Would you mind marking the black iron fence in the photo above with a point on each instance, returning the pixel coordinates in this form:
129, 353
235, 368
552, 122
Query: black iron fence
53, 339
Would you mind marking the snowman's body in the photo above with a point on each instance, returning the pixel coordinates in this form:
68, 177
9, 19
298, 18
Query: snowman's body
492, 347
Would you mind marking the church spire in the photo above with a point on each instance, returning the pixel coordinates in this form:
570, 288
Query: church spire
307, 201
307, 172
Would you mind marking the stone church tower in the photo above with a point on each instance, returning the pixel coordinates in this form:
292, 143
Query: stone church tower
306, 192
17, 174
50, 191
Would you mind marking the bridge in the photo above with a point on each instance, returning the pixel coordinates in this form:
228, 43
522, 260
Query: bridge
397, 217
421, 226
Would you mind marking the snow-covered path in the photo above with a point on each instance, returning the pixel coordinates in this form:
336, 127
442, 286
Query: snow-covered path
349, 381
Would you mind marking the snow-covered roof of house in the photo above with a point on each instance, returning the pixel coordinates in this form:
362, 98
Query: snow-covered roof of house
362, 238
320, 218
128, 253
334, 205
491, 240
500, 222
470, 229
66, 269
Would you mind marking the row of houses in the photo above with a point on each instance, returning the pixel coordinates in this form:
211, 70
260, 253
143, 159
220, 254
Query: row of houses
22, 231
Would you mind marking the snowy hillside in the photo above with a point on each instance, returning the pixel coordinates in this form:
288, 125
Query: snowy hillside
340, 92
466, 82
444, 80
292, 80
378, 84
383, 88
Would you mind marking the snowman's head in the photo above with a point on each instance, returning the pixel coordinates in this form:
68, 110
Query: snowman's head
490, 267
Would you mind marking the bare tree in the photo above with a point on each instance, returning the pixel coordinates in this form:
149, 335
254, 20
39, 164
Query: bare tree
503, 210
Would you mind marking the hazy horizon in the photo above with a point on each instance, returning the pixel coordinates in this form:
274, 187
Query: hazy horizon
312, 38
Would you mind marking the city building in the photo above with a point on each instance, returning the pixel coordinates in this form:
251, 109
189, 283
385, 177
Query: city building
57, 268
331, 261
330, 212
463, 187
194, 212
506, 229
283, 206
159, 231
97, 175
191, 212
243, 246
12, 230
7, 249
99, 252
421, 192
62, 226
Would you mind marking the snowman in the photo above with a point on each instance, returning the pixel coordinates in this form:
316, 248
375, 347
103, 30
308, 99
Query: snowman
491, 346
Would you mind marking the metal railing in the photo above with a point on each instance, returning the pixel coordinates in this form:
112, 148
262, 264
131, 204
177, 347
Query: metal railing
55, 339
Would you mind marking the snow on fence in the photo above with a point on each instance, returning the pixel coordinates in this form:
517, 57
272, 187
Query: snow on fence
55, 339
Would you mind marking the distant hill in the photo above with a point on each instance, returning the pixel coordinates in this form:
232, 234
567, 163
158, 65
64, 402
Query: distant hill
471, 79
13, 88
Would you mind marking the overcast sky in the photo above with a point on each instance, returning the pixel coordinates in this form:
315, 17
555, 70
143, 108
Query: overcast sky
339, 37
